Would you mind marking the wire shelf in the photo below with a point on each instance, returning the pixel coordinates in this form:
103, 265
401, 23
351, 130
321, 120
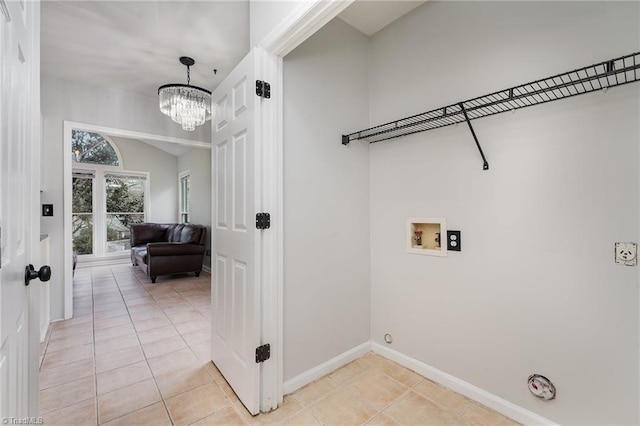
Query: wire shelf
603, 75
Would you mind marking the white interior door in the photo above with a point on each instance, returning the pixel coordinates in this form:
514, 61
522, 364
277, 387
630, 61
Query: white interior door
237, 251
19, 141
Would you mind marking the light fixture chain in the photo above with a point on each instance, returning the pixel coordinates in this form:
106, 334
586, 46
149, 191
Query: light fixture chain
188, 75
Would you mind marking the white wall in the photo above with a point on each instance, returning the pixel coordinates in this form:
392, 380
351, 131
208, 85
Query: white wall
162, 168
326, 205
535, 288
198, 162
66, 100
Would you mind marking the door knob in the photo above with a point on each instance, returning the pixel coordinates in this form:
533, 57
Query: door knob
44, 273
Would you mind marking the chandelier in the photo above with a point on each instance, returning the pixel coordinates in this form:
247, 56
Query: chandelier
187, 105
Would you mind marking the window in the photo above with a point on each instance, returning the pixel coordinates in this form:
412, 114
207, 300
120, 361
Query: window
185, 180
82, 207
92, 148
125, 196
107, 199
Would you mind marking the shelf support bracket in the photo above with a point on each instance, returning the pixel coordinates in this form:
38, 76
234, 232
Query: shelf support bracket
485, 165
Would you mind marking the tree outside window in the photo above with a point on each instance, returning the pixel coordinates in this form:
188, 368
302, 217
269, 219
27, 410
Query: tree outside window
125, 206
82, 207
92, 148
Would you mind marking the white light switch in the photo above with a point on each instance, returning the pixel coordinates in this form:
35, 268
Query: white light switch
627, 254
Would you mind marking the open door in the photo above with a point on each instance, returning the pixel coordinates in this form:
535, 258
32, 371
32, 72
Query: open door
19, 199
241, 108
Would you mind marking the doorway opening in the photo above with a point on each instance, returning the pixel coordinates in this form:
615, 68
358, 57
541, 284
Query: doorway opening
103, 195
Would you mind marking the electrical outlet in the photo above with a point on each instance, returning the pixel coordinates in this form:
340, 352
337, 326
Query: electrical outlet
626, 254
454, 242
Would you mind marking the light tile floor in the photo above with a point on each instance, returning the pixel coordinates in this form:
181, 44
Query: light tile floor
136, 353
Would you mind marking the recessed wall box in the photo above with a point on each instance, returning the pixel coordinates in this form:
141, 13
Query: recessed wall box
427, 235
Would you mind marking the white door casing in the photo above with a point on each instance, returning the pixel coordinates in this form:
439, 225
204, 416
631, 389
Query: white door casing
238, 141
19, 218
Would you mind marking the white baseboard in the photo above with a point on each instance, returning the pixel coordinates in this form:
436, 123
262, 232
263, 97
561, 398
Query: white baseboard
325, 368
207, 269
103, 261
485, 398
473, 392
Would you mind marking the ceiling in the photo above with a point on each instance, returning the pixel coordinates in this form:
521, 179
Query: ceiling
135, 45
370, 16
172, 148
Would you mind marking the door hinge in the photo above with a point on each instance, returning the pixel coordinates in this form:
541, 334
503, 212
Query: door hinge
263, 89
263, 221
263, 353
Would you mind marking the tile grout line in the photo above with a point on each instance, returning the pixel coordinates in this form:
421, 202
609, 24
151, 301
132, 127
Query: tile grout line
143, 354
95, 360
226, 396
404, 395
193, 353
433, 401
92, 285
384, 408
66, 383
61, 384
348, 377
187, 345
344, 386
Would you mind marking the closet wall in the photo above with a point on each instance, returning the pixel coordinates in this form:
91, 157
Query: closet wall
535, 288
326, 199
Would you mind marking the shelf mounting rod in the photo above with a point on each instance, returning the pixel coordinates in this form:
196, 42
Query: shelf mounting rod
485, 165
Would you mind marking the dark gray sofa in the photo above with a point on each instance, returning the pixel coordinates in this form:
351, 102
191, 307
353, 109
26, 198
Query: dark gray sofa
164, 249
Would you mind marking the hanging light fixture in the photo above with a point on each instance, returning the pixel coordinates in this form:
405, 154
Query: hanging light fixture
187, 105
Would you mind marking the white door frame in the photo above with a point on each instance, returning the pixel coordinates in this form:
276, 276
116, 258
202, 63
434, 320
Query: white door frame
69, 126
300, 24
34, 219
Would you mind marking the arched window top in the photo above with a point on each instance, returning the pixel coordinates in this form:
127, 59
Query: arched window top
93, 148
